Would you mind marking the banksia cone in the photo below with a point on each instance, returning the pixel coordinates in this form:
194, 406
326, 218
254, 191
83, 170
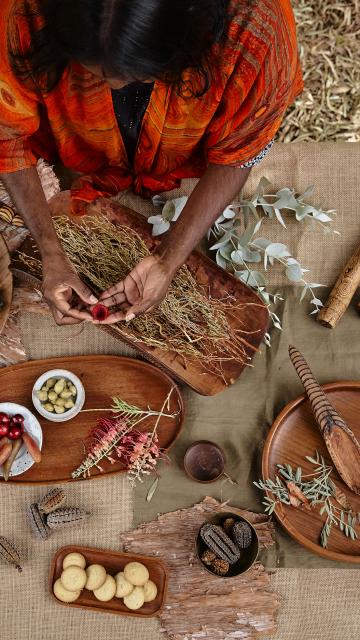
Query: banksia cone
220, 543
242, 534
66, 517
9, 553
221, 567
37, 522
52, 501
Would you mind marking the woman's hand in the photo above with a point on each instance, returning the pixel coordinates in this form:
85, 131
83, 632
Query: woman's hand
66, 294
142, 290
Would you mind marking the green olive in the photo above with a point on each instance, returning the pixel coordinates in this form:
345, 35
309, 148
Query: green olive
49, 407
59, 409
52, 396
69, 404
59, 386
50, 383
60, 402
73, 390
42, 395
66, 394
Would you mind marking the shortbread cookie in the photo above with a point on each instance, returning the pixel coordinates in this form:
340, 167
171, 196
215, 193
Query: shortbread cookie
96, 576
123, 586
73, 578
136, 573
150, 591
135, 600
63, 594
75, 560
107, 590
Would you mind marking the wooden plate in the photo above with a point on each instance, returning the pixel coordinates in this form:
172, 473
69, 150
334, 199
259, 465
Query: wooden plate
113, 561
295, 435
6, 284
253, 317
103, 377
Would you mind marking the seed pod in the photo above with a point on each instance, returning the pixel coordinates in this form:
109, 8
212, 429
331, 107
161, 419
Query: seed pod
52, 501
208, 557
221, 567
228, 524
66, 517
242, 534
37, 522
220, 543
9, 553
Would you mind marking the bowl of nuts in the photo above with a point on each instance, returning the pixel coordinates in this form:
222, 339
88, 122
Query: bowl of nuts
58, 395
227, 545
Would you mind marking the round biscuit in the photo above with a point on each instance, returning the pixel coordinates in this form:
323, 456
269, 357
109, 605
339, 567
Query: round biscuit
73, 578
63, 594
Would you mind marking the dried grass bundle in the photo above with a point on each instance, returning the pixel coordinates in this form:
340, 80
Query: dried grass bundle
329, 40
188, 321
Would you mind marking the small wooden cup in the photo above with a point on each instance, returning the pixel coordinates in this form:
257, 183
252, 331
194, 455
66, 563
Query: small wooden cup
248, 556
204, 461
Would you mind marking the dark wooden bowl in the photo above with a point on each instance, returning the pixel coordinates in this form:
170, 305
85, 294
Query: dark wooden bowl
248, 556
113, 561
204, 461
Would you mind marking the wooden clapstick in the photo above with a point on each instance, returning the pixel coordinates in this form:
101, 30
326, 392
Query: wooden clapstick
342, 293
341, 442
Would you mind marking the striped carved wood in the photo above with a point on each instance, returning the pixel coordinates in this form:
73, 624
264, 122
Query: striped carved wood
341, 442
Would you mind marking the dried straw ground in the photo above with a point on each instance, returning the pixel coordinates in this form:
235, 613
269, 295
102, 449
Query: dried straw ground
329, 40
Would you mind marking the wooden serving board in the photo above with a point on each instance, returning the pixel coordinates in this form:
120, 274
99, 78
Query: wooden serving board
293, 436
103, 377
252, 317
113, 561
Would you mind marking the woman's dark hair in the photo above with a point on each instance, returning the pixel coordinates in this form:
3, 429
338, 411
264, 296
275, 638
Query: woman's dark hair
130, 39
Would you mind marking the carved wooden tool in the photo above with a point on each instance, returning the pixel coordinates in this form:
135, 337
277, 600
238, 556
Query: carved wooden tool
342, 293
339, 439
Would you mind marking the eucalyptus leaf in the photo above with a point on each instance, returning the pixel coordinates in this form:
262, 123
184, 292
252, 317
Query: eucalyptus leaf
277, 250
294, 273
253, 278
229, 213
152, 490
220, 261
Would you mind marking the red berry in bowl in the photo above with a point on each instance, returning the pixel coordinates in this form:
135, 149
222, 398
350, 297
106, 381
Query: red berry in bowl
4, 418
15, 432
4, 429
100, 312
17, 419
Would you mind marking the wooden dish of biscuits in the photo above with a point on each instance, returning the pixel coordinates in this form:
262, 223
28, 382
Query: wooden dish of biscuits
108, 581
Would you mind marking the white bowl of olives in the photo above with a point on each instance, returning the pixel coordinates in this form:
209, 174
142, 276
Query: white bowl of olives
58, 395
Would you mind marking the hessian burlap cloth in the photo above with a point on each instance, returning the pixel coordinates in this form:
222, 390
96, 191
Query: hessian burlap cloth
320, 600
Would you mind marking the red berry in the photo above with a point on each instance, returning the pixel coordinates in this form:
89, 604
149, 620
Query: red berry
15, 433
4, 429
100, 312
4, 418
17, 419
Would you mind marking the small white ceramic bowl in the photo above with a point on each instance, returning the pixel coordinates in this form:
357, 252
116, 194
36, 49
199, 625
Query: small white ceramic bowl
23, 460
80, 396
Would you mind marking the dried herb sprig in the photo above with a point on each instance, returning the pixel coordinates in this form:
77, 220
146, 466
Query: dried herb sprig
292, 487
117, 437
188, 322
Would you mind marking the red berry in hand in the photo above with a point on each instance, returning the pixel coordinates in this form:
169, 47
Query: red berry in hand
4, 418
15, 433
4, 429
100, 312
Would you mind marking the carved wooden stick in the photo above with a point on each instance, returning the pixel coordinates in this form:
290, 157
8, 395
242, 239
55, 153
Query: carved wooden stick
342, 293
341, 442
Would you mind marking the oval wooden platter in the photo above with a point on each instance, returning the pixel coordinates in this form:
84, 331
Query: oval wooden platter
293, 436
251, 314
113, 561
103, 377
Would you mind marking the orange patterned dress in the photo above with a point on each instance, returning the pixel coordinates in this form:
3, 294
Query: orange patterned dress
256, 75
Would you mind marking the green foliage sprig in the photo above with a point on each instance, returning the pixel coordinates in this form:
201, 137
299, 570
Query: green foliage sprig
293, 488
235, 238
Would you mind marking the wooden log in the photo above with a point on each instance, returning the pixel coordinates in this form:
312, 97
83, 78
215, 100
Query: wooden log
342, 293
199, 605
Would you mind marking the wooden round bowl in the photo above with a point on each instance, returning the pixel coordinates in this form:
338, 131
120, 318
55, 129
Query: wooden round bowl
248, 556
204, 461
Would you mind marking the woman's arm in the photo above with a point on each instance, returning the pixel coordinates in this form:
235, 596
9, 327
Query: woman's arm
59, 277
147, 284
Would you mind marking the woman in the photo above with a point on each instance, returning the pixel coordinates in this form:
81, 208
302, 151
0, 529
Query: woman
139, 94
